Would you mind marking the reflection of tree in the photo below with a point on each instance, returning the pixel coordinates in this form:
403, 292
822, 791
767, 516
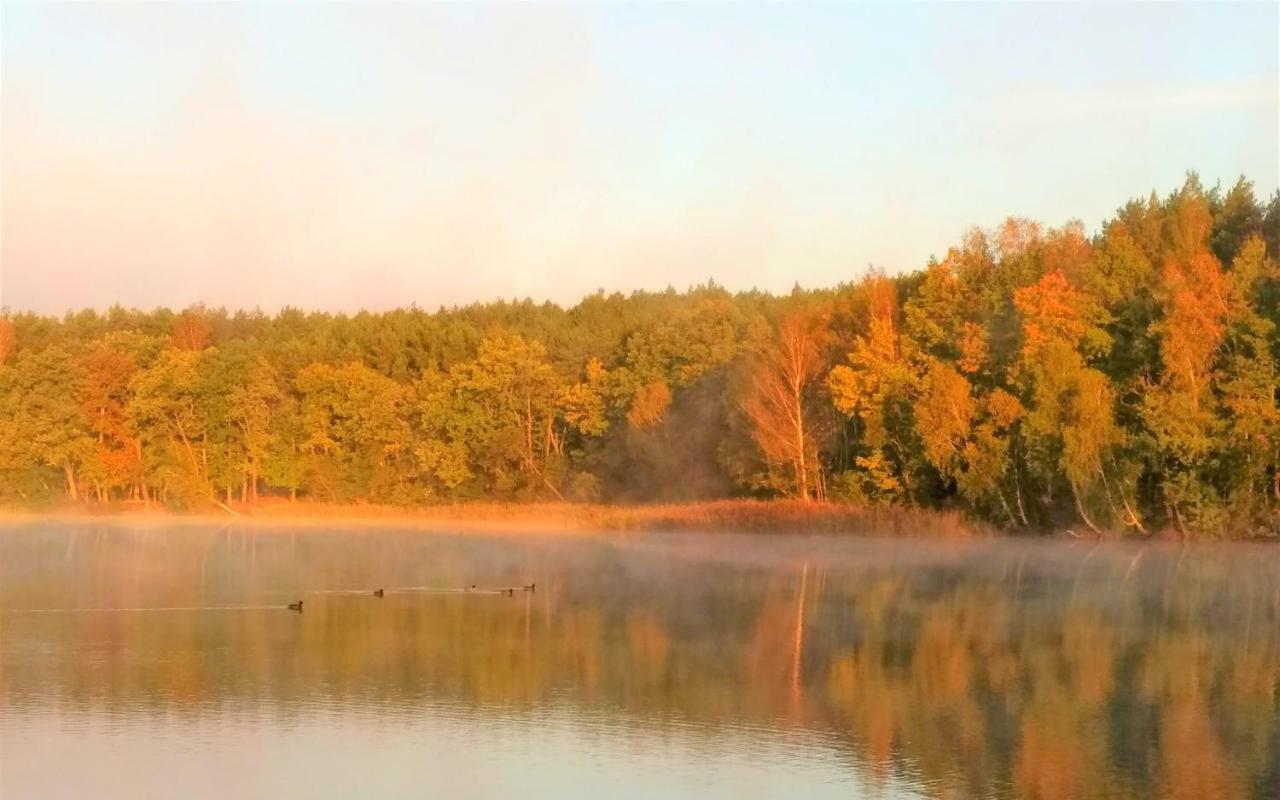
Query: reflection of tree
1051, 684
770, 659
649, 643
1195, 764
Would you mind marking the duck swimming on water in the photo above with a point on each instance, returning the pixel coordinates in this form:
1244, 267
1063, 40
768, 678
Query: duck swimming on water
377, 593
295, 606
531, 587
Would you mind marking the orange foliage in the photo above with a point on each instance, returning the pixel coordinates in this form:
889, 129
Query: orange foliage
973, 347
103, 397
1016, 236
649, 405
191, 331
1067, 250
778, 403
7, 340
1052, 310
1196, 307
882, 321
1004, 408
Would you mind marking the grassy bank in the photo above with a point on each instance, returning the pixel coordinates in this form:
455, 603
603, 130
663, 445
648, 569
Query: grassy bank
759, 516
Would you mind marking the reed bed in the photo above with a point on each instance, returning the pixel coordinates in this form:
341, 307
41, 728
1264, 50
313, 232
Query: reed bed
742, 516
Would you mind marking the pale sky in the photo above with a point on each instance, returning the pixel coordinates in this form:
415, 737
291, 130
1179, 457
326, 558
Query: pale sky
339, 157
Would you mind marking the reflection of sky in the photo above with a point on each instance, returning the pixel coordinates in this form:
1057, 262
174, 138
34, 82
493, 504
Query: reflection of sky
342, 156
435, 751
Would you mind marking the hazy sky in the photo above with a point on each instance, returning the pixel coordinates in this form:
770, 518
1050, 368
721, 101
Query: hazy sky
347, 156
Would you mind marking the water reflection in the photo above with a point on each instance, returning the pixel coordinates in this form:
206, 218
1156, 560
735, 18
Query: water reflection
643, 666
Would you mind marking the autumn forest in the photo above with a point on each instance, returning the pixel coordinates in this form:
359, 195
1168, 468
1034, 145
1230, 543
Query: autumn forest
1122, 380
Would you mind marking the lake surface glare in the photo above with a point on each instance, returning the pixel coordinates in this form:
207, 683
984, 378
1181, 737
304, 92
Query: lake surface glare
158, 660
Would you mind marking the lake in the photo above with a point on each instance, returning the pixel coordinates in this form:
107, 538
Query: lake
157, 659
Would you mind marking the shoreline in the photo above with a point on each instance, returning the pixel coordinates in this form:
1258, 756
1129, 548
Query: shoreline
731, 516
743, 516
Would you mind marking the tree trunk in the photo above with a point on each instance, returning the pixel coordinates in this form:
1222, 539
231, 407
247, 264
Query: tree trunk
1075, 495
72, 491
1005, 505
802, 469
1017, 489
528, 434
142, 481
191, 453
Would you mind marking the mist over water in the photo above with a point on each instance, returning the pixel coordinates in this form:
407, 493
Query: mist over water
155, 660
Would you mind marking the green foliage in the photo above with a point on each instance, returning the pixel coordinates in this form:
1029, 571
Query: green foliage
1033, 376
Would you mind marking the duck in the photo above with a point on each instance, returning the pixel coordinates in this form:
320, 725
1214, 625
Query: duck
377, 593
295, 606
531, 587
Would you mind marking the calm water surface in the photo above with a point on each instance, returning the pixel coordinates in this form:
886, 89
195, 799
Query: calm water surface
159, 661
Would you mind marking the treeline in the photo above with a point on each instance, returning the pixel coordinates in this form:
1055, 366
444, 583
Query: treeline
1121, 381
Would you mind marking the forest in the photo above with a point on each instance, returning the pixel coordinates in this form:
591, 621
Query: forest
1122, 381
